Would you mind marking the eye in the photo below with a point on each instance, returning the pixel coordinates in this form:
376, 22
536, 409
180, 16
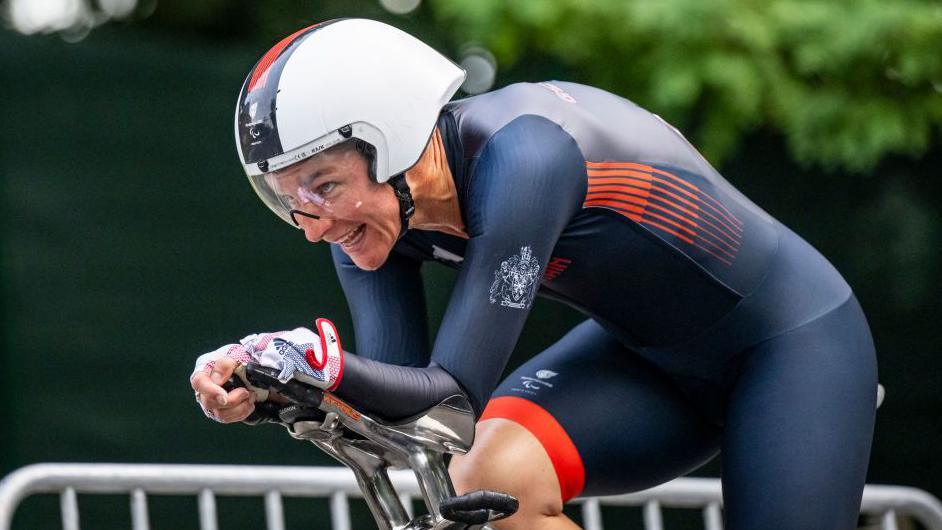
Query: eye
326, 188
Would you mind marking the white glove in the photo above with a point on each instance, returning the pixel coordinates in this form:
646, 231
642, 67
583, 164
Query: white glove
297, 354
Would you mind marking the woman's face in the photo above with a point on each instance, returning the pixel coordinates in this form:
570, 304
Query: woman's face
361, 216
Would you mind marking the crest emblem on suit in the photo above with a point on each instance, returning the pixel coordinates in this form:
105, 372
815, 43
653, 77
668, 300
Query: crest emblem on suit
515, 281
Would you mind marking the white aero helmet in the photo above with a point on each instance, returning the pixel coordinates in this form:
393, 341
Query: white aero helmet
341, 79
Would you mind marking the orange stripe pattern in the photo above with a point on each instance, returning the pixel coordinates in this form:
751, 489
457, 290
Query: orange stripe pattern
561, 450
661, 200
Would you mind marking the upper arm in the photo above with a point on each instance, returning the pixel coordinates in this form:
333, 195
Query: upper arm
526, 186
388, 308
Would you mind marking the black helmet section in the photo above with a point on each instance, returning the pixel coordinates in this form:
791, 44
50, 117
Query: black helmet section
258, 129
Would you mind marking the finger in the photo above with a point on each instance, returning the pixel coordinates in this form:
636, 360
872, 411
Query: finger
233, 399
195, 381
222, 370
235, 414
237, 397
210, 395
203, 384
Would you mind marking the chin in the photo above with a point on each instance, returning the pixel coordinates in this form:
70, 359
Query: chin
370, 261
373, 252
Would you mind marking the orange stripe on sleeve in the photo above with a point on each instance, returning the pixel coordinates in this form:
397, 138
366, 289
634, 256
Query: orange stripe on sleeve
658, 225
661, 188
637, 215
632, 178
620, 188
719, 248
639, 192
638, 182
622, 202
732, 247
595, 190
552, 436
714, 254
715, 202
703, 221
690, 195
678, 179
616, 168
689, 224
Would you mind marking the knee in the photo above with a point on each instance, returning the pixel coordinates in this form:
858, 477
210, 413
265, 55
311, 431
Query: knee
507, 458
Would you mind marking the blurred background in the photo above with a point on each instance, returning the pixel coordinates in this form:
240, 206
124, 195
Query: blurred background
131, 242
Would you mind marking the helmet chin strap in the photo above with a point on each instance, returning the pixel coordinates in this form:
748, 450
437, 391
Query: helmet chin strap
406, 203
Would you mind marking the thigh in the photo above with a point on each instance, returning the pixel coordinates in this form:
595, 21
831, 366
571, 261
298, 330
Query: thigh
799, 427
609, 421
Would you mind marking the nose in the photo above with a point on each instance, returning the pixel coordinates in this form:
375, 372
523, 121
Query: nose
314, 229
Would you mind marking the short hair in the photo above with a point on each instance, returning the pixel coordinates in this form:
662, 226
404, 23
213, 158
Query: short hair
365, 149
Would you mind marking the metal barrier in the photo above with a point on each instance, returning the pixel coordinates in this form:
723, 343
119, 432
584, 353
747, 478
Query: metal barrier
338, 483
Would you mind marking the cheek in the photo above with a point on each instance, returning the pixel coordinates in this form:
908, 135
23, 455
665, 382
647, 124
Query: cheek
384, 219
376, 249
383, 226
386, 241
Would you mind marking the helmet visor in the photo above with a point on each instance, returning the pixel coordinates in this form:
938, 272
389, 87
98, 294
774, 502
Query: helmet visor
320, 191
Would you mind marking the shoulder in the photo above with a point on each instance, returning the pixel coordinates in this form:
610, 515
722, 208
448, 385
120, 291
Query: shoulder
529, 163
529, 150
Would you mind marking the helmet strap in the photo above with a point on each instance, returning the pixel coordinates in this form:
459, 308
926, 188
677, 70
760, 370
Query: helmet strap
406, 203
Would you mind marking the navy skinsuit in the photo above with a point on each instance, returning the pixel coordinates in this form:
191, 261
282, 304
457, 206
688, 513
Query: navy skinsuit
711, 326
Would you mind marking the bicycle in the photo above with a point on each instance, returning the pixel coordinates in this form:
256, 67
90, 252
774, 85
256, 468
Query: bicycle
370, 446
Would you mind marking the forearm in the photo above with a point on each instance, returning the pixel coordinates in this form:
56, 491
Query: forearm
393, 392
373, 296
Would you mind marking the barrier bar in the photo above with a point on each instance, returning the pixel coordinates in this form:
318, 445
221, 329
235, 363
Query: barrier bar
337, 483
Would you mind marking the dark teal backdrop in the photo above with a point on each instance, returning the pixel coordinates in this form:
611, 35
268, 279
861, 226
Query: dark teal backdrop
131, 243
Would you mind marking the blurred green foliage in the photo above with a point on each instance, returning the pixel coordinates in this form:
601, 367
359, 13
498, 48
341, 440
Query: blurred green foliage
846, 81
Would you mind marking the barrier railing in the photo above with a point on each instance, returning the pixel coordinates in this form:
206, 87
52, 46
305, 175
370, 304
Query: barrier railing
337, 484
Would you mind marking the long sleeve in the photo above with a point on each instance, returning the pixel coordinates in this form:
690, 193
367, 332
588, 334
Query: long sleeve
527, 185
388, 309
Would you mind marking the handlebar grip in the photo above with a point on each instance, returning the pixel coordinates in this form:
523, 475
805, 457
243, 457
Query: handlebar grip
265, 411
233, 383
479, 507
295, 391
253, 375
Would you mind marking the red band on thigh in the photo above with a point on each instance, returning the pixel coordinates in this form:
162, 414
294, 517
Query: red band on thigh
562, 452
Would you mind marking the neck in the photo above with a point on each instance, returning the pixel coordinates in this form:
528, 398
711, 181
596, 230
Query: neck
434, 192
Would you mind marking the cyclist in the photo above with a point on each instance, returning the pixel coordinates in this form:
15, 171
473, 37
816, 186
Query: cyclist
710, 326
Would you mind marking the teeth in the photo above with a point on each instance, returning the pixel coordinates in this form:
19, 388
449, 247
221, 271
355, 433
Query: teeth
351, 235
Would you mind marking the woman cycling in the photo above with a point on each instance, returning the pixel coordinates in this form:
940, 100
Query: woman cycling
711, 327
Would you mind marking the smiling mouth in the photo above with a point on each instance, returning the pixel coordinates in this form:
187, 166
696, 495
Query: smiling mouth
353, 237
